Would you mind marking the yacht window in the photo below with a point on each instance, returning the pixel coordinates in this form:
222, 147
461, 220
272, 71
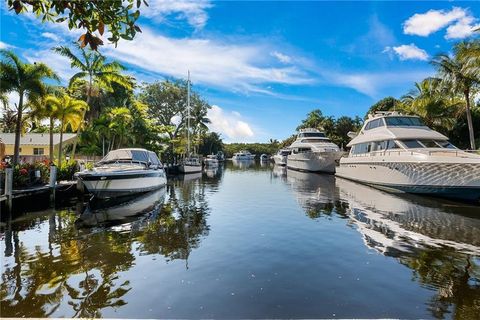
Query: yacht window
403, 121
314, 140
374, 124
429, 143
392, 144
412, 144
445, 144
311, 135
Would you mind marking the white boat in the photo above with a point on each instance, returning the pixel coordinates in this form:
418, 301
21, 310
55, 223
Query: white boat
191, 163
124, 172
313, 152
264, 157
399, 153
280, 158
211, 161
243, 155
220, 156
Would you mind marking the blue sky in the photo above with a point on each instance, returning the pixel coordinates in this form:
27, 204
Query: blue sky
264, 65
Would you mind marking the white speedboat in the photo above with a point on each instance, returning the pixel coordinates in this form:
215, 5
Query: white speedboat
190, 164
264, 157
211, 161
243, 155
280, 158
124, 172
314, 152
399, 153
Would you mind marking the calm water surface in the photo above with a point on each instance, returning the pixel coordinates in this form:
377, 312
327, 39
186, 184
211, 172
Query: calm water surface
247, 241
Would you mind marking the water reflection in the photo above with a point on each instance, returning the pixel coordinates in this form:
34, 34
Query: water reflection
243, 164
73, 267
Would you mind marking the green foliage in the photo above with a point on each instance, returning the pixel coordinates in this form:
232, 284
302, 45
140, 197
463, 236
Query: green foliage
25, 174
386, 104
211, 143
66, 170
254, 148
117, 16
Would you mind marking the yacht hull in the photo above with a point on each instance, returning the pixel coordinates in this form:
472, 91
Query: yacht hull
119, 184
450, 180
312, 161
184, 168
280, 160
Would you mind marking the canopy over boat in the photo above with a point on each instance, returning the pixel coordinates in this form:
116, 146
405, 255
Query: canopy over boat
131, 155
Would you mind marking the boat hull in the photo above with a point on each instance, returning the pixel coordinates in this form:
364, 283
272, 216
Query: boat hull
280, 160
312, 161
185, 168
450, 180
119, 184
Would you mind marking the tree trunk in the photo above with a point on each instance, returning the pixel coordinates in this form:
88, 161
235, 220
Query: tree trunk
51, 140
18, 130
469, 120
60, 145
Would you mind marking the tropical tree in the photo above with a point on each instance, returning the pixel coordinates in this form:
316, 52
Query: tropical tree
120, 124
438, 107
27, 81
386, 104
70, 113
461, 73
95, 70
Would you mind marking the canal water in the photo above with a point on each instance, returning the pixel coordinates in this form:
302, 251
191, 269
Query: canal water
248, 240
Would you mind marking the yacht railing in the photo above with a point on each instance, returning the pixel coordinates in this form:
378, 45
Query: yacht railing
449, 152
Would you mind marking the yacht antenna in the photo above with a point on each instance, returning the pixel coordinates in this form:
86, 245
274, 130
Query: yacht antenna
188, 114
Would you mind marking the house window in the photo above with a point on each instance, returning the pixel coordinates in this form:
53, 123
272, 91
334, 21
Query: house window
38, 151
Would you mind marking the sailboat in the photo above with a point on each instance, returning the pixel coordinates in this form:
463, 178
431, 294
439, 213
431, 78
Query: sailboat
191, 163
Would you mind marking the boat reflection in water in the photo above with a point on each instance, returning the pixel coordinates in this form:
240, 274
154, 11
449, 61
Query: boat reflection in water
119, 211
279, 172
243, 164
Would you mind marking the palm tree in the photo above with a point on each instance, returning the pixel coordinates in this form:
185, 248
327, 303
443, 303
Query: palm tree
433, 103
98, 73
461, 73
70, 113
27, 81
120, 122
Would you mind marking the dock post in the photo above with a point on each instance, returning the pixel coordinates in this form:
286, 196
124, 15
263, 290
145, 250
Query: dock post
9, 187
52, 183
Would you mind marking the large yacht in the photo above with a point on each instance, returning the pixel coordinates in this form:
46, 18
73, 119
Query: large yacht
280, 158
124, 172
313, 151
398, 152
243, 155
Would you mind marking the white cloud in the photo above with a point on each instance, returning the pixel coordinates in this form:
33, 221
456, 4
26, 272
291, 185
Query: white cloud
238, 67
194, 11
408, 52
58, 63
281, 57
4, 45
229, 124
459, 20
51, 36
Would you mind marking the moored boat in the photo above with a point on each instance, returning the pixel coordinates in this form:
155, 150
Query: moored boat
211, 161
399, 153
124, 172
280, 158
243, 155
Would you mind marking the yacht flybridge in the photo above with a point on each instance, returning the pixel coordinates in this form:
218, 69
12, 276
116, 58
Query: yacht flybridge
398, 152
124, 172
313, 151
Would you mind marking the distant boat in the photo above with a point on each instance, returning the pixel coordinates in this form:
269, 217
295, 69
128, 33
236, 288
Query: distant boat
124, 172
280, 158
314, 152
220, 156
211, 161
264, 157
400, 153
243, 155
191, 163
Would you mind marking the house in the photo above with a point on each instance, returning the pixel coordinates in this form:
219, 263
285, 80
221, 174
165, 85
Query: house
34, 146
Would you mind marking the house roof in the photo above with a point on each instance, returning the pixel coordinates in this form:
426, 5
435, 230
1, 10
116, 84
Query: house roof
41, 139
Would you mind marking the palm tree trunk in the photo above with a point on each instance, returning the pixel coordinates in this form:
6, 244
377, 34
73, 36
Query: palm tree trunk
51, 140
60, 144
18, 130
469, 120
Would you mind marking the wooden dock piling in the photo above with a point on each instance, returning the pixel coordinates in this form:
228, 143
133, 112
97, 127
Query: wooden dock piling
9, 187
52, 183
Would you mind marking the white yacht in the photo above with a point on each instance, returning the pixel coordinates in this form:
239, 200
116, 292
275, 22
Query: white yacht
211, 161
314, 152
280, 158
243, 155
124, 172
399, 153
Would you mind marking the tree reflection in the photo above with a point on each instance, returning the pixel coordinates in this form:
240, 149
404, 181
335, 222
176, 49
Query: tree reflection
78, 272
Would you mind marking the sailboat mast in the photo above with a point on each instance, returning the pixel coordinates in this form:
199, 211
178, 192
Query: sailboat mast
188, 114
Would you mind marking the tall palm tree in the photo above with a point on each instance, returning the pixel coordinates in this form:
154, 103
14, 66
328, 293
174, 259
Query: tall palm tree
462, 74
70, 113
27, 81
431, 101
120, 122
93, 68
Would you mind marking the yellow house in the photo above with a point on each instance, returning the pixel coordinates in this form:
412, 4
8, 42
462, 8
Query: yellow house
33, 145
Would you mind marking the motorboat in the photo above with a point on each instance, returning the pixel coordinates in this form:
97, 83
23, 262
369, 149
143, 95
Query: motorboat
220, 156
312, 151
191, 164
264, 157
243, 155
400, 153
211, 161
280, 158
124, 172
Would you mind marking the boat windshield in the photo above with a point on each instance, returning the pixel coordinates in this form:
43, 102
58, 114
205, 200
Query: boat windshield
130, 155
404, 122
311, 135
